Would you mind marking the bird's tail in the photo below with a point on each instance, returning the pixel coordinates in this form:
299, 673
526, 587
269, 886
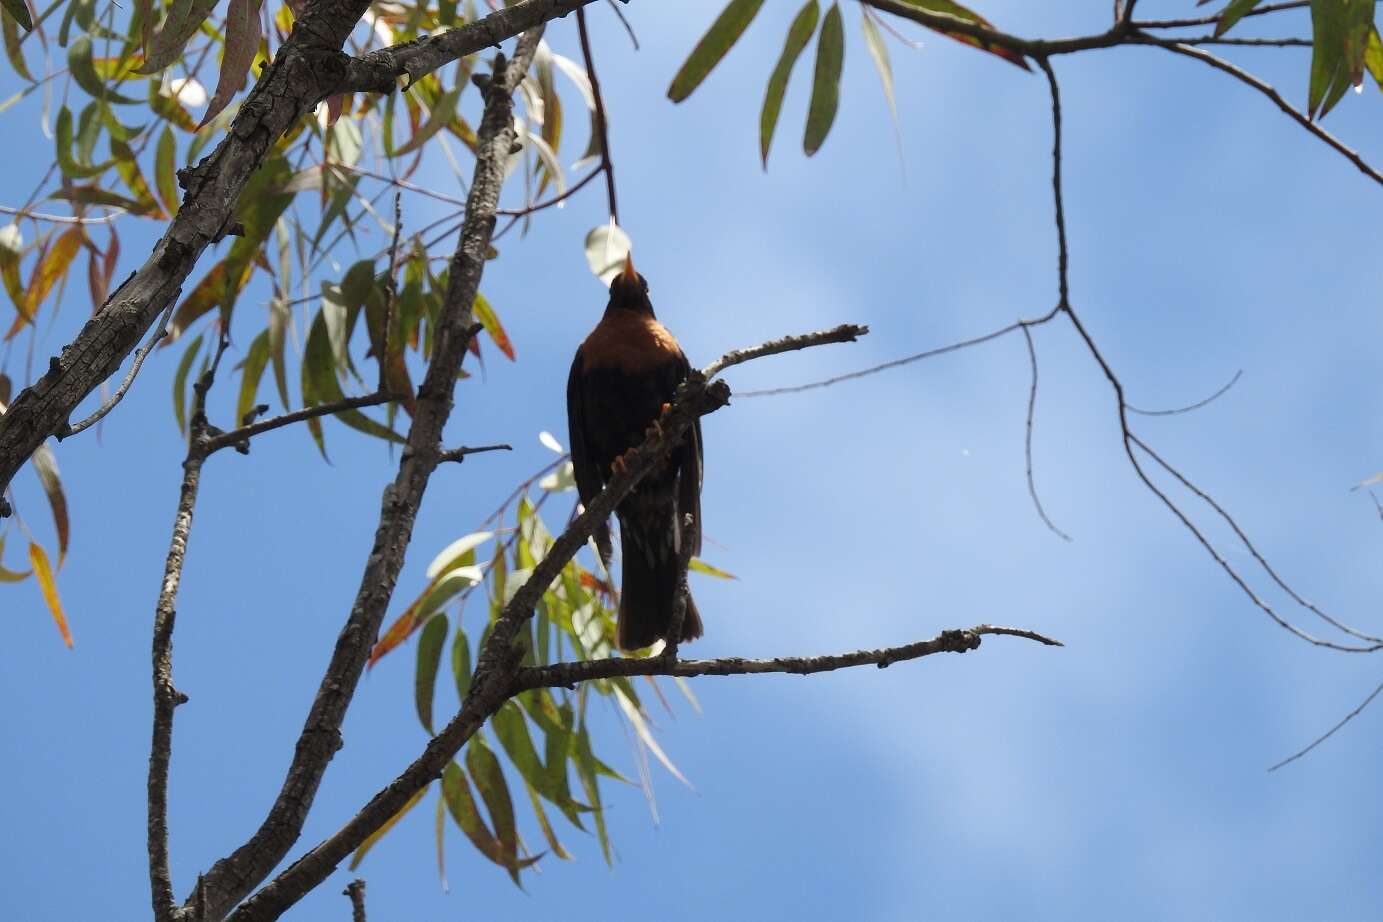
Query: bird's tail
650, 583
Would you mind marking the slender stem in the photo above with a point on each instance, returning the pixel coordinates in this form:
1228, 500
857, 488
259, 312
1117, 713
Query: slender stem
239, 436
602, 124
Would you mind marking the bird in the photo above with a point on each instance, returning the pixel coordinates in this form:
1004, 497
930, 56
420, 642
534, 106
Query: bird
625, 372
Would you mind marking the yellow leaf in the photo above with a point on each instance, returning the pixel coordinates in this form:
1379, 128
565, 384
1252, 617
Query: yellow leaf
39, 560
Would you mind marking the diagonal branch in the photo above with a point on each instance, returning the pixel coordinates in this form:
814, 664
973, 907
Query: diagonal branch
307, 68
493, 682
232, 878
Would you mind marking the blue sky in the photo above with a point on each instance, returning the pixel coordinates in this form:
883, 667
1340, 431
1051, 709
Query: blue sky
1121, 776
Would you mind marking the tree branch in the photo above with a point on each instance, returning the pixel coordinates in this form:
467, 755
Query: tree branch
356, 891
230, 879
498, 662
307, 68
569, 674
241, 437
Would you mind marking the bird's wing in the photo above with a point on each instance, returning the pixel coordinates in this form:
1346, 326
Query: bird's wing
689, 479
589, 481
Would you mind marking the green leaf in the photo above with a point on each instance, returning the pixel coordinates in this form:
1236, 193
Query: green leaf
429, 657
255, 361
443, 113
389, 824
488, 776
183, 19
799, 33
545, 825
320, 384
19, 10
1373, 57
586, 770
84, 74
966, 14
830, 55
722, 34
1232, 13
165, 170
180, 383
461, 663
63, 136
1340, 41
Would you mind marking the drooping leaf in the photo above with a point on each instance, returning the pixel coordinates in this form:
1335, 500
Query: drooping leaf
165, 170
253, 370
216, 286
184, 18
243, 32
52, 267
485, 315
7, 575
439, 592
46, 466
586, 770
799, 33
464, 811
461, 663
43, 571
874, 41
83, 70
1340, 40
180, 382
320, 383
373, 838
1373, 57
723, 33
429, 658
488, 776
830, 55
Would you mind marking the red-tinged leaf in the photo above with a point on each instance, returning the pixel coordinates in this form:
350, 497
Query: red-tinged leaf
7, 575
485, 314
46, 466
38, 559
50, 268
968, 15
429, 658
242, 41
95, 279
373, 838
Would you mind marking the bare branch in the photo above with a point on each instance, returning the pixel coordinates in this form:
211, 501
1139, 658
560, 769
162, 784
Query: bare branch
569, 674
140, 355
602, 126
1195, 406
1212, 20
61, 219
458, 455
1027, 440
1331, 732
845, 333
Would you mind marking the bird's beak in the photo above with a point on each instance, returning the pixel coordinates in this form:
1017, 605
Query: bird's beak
628, 275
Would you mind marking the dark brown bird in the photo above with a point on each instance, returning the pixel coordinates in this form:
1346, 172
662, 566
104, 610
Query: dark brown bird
628, 368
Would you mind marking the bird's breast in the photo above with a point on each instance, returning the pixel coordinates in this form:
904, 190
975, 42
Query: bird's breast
629, 342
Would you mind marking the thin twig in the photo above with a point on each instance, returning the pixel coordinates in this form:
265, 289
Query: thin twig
60, 219
619, 14
602, 125
1331, 732
245, 433
1194, 406
391, 295
955, 641
160, 331
1250, 80
1027, 440
548, 203
459, 454
845, 333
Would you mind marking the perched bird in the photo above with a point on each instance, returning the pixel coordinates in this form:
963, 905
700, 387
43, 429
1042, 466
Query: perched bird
624, 373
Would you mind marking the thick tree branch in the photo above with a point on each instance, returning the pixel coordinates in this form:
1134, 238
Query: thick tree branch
498, 662
379, 71
308, 67
569, 674
232, 878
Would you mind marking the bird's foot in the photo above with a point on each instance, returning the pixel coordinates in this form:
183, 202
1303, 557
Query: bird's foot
621, 462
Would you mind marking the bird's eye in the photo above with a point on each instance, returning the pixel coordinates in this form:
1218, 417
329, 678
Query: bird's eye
644, 283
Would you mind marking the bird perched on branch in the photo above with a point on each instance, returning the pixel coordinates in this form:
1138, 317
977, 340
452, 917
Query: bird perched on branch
624, 373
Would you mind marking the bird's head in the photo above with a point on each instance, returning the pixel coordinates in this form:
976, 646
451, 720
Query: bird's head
629, 290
